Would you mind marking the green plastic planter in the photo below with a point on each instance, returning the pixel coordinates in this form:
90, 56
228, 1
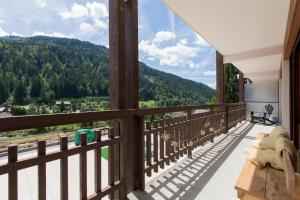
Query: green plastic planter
90, 135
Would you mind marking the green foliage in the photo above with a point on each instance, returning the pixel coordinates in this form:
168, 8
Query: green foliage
20, 93
4, 93
18, 110
213, 101
45, 69
231, 83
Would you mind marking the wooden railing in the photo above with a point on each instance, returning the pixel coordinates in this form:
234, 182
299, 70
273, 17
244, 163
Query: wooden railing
168, 139
164, 141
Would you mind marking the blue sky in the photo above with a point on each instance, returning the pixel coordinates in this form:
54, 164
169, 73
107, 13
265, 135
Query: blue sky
166, 42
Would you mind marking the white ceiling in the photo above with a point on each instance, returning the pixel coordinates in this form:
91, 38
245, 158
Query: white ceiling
238, 26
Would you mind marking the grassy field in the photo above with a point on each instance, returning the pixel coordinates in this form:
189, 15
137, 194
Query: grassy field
104, 153
147, 104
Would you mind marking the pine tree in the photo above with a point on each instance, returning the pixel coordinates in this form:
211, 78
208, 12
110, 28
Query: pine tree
3, 92
20, 93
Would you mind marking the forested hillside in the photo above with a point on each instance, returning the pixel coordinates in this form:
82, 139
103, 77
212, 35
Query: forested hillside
43, 69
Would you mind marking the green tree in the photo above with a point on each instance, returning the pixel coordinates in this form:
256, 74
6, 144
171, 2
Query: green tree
231, 83
36, 87
4, 94
20, 93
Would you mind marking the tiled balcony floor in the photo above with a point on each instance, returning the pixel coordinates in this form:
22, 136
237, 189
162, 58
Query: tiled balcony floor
211, 174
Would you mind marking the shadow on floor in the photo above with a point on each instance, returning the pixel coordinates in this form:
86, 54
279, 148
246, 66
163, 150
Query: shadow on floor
187, 179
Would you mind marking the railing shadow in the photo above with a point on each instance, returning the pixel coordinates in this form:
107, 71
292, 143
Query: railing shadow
187, 179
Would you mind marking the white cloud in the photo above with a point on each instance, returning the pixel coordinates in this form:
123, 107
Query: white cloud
54, 34
100, 24
97, 10
163, 36
212, 85
41, 3
3, 33
200, 41
77, 11
183, 41
210, 73
16, 34
179, 54
86, 27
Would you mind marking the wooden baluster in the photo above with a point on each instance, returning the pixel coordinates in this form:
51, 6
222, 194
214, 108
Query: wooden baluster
97, 157
180, 136
148, 148
42, 171
111, 162
13, 173
161, 145
64, 169
189, 133
155, 150
176, 120
197, 130
168, 142
185, 136
140, 184
83, 167
226, 119
173, 139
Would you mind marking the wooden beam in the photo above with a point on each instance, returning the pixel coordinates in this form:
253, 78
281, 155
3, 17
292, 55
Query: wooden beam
241, 87
124, 92
220, 78
253, 54
293, 27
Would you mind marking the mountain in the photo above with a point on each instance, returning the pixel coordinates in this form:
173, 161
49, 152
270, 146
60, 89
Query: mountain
47, 68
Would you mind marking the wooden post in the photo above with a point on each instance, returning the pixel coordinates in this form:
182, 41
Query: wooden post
42, 171
220, 78
241, 87
13, 174
123, 90
97, 157
64, 191
83, 167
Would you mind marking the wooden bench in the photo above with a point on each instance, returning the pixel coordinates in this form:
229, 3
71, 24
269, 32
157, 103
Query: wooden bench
268, 183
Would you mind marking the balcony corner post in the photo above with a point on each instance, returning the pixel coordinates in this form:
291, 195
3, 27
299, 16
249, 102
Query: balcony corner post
123, 89
220, 78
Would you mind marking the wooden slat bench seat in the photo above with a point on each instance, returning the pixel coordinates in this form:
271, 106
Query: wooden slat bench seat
268, 183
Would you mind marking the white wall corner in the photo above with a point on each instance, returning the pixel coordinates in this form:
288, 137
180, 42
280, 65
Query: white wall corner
286, 96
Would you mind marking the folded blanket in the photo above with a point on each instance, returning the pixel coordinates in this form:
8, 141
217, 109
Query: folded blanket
262, 157
268, 142
269, 149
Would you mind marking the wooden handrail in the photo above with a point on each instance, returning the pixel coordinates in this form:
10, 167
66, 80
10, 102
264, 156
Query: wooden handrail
40, 121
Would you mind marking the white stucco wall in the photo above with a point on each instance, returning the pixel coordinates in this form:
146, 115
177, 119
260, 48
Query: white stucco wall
260, 93
286, 106
280, 101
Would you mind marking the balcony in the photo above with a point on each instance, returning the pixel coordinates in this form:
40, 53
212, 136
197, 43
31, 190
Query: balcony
213, 166
79, 172
152, 153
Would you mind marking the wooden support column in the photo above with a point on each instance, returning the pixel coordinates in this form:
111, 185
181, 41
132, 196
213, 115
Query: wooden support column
124, 94
220, 78
241, 87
